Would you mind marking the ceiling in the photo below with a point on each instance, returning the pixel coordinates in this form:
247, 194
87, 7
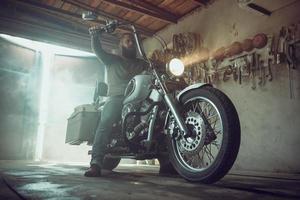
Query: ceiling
60, 22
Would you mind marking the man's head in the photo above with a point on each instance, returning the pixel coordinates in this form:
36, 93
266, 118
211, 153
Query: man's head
127, 46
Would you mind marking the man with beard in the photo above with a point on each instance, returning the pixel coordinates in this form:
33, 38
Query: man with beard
120, 69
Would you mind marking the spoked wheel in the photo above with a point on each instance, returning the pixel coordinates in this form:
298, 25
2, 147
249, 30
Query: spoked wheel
208, 152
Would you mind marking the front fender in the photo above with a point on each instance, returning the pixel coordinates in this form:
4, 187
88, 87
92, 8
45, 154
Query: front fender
191, 87
181, 93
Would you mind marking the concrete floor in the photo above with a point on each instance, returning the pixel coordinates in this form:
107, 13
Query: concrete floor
40, 180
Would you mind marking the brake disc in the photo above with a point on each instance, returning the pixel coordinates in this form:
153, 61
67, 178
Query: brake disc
196, 140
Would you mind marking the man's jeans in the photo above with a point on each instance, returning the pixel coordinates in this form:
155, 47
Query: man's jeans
110, 114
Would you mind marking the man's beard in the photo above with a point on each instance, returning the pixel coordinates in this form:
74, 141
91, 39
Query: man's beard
128, 52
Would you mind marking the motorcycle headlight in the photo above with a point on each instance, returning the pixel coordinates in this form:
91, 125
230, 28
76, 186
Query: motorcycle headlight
176, 67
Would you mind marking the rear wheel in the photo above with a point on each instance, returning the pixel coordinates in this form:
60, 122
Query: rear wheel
211, 147
110, 163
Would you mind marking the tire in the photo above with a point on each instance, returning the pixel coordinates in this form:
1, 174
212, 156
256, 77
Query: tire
185, 154
110, 163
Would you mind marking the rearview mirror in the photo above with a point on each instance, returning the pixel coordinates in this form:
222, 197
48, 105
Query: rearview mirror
88, 16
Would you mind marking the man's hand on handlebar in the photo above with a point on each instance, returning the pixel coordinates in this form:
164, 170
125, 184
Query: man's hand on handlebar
110, 27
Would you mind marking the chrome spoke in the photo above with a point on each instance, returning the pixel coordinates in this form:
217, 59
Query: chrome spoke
205, 109
209, 155
211, 109
216, 144
217, 132
211, 116
201, 158
208, 109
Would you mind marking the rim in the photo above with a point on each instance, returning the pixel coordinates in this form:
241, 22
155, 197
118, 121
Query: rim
200, 150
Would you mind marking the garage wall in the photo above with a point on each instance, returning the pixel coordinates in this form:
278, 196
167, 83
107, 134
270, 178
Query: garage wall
19, 89
270, 120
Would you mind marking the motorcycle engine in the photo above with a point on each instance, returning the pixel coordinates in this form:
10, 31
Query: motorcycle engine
136, 124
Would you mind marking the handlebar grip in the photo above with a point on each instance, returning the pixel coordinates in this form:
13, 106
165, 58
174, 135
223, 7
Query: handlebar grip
111, 26
108, 28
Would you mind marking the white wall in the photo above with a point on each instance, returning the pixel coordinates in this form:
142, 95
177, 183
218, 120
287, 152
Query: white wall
270, 120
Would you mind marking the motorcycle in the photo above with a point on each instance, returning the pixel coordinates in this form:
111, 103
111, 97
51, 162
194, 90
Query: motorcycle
194, 130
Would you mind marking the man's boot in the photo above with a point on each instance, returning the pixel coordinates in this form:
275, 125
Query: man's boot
93, 171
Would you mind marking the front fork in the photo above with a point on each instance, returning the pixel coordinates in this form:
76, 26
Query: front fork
173, 108
171, 102
167, 97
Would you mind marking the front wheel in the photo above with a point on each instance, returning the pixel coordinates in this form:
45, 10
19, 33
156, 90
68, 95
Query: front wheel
212, 145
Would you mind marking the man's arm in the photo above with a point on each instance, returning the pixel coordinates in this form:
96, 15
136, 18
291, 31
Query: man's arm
102, 55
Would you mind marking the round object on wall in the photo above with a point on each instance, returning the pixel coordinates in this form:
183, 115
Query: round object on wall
260, 40
247, 45
234, 49
219, 54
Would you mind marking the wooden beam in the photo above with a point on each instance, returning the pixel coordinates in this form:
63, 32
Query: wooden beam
47, 7
155, 9
103, 13
202, 2
22, 10
41, 33
52, 9
44, 34
130, 7
63, 12
46, 24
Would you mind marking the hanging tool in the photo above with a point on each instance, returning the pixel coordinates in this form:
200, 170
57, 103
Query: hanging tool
199, 71
242, 67
248, 61
263, 75
245, 66
235, 73
270, 74
259, 67
290, 47
227, 72
240, 74
280, 55
270, 58
291, 82
253, 71
290, 55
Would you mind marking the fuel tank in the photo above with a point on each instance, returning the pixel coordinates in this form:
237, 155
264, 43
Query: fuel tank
138, 89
